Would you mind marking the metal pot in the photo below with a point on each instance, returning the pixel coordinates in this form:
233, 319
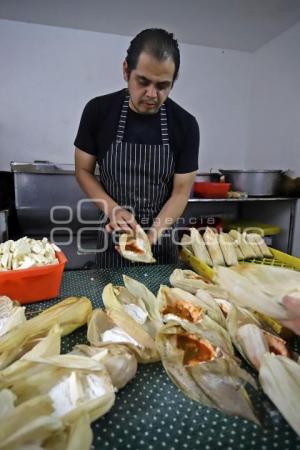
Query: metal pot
207, 177
257, 183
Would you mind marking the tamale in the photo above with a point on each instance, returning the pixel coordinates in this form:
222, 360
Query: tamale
74, 383
174, 302
200, 312
121, 298
252, 241
244, 291
118, 359
211, 240
228, 249
186, 242
117, 327
262, 245
272, 280
279, 377
136, 247
70, 313
11, 314
241, 240
190, 281
140, 291
199, 248
77, 435
203, 372
29, 423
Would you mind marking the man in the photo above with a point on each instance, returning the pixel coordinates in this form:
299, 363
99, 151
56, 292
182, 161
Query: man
146, 147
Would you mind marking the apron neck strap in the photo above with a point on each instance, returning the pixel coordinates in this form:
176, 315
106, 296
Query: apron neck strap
123, 117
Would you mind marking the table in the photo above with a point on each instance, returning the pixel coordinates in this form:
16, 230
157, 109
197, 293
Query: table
150, 413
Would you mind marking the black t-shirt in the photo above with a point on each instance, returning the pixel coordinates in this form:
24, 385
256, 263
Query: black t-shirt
142, 128
99, 123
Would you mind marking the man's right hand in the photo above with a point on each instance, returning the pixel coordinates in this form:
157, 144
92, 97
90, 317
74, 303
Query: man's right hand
121, 220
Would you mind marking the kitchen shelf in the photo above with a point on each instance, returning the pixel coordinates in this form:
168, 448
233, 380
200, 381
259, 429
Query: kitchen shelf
278, 211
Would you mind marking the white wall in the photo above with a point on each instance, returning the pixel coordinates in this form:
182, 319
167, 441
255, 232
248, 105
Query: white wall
274, 131
274, 115
48, 74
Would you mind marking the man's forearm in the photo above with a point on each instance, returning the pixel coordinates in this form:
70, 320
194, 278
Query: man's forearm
168, 215
94, 190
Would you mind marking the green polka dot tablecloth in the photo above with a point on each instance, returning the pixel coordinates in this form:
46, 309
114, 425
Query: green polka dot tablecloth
150, 412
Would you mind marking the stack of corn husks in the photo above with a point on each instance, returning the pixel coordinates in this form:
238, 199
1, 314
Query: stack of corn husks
222, 248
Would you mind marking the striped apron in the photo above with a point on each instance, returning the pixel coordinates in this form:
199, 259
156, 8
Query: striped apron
139, 177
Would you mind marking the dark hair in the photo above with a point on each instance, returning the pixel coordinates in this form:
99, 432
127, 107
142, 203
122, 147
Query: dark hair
158, 43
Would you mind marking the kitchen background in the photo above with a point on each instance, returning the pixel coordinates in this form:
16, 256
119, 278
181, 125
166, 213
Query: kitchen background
240, 75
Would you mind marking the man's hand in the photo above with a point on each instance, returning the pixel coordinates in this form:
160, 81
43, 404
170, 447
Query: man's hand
121, 220
174, 206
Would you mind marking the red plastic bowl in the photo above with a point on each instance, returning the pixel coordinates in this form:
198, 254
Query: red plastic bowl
33, 284
211, 190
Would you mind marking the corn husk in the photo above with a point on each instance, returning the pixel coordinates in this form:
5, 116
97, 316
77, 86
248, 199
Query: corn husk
211, 240
253, 344
203, 372
38, 429
174, 302
7, 403
241, 241
74, 383
117, 327
137, 247
236, 318
140, 291
76, 436
186, 309
228, 249
213, 309
11, 314
119, 298
238, 250
266, 252
190, 281
256, 342
47, 346
272, 280
250, 337
186, 242
27, 424
118, 360
71, 313
137, 301
199, 247
252, 240
279, 377
178, 302
243, 291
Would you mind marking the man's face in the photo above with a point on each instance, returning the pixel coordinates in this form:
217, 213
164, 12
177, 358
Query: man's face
150, 83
